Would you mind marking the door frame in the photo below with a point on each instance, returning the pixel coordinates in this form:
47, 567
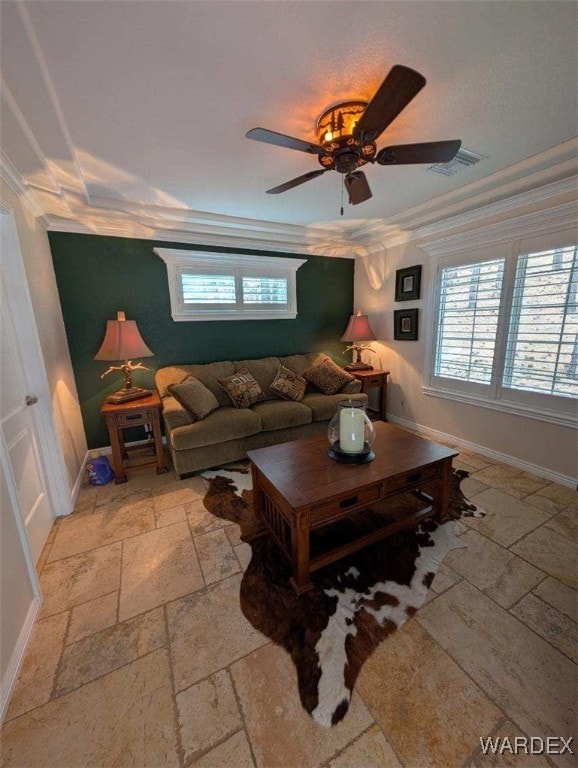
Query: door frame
23, 318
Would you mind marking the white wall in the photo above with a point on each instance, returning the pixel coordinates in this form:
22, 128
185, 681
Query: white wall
540, 443
46, 304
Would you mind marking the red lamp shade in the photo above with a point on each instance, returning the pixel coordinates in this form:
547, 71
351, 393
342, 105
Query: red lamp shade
358, 329
122, 341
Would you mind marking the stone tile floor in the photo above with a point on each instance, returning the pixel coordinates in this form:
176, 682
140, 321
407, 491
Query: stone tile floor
141, 655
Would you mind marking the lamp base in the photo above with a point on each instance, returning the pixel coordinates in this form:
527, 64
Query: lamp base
126, 394
358, 367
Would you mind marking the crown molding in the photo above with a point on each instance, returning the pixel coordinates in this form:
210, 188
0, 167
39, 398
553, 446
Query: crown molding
13, 181
122, 218
561, 161
559, 217
389, 239
536, 170
300, 241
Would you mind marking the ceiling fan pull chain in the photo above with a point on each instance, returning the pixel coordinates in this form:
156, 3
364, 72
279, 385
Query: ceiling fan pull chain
342, 185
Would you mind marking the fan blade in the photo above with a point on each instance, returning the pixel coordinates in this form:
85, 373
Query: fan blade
393, 95
281, 140
357, 187
428, 152
296, 182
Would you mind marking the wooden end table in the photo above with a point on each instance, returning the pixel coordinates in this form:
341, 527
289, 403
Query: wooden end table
145, 410
371, 379
297, 488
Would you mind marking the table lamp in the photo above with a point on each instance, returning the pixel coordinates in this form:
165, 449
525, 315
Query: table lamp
122, 341
358, 330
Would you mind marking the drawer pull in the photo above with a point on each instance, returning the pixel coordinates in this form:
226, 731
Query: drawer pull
344, 503
133, 417
414, 478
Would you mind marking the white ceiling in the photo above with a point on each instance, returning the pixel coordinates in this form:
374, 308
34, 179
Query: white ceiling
128, 106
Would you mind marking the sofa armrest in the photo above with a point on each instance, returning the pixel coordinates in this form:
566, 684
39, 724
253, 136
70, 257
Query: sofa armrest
352, 387
174, 414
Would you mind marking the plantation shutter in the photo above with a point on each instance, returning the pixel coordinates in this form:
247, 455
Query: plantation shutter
542, 348
208, 289
467, 320
265, 290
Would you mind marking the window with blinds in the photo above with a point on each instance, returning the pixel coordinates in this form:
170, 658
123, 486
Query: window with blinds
265, 290
208, 289
468, 314
505, 331
230, 286
542, 348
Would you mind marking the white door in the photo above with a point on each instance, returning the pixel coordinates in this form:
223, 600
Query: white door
26, 419
17, 420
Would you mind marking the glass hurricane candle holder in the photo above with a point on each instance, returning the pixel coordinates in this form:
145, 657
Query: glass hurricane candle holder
351, 434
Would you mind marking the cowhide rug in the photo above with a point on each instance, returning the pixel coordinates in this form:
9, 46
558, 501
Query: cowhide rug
357, 602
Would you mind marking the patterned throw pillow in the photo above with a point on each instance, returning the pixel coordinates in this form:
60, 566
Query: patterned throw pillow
194, 397
288, 384
242, 389
328, 377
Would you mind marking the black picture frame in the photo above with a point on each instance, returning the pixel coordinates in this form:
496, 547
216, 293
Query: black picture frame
405, 324
408, 283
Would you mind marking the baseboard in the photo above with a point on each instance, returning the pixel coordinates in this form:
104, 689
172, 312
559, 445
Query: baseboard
503, 458
78, 482
12, 671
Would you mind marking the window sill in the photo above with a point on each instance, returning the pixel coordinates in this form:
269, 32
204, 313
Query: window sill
507, 406
209, 316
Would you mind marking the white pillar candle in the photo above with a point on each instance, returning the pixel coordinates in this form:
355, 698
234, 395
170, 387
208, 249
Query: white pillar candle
351, 430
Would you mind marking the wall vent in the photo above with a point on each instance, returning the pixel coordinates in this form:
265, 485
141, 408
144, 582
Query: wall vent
461, 161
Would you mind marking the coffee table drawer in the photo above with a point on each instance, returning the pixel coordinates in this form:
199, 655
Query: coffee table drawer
345, 504
410, 479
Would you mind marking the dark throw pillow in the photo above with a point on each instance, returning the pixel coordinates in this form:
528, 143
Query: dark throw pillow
328, 377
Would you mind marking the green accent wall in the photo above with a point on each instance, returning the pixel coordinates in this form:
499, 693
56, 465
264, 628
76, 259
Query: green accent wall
98, 276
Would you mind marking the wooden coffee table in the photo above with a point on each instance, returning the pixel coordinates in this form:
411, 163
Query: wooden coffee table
297, 489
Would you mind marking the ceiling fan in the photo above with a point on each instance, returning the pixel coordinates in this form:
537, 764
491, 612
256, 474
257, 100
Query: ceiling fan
347, 133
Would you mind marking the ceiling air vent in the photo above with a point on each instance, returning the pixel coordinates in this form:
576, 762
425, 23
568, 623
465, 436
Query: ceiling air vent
461, 161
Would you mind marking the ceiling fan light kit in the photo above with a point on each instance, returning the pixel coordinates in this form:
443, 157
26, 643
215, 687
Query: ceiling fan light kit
347, 132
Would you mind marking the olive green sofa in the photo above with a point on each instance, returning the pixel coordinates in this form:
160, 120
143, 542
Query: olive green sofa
228, 433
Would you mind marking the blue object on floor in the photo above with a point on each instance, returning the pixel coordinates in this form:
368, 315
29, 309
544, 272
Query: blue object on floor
99, 471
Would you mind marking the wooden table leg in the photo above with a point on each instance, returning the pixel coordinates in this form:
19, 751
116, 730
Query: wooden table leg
161, 467
442, 492
300, 554
257, 495
383, 400
123, 451
117, 447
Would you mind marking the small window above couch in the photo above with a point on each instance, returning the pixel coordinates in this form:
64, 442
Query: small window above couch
228, 286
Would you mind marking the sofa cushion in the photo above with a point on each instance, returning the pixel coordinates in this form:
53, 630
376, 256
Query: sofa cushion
328, 377
194, 397
208, 374
263, 371
289, 385
324, 407
280, 414
242, 389
227, 423
352, 388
